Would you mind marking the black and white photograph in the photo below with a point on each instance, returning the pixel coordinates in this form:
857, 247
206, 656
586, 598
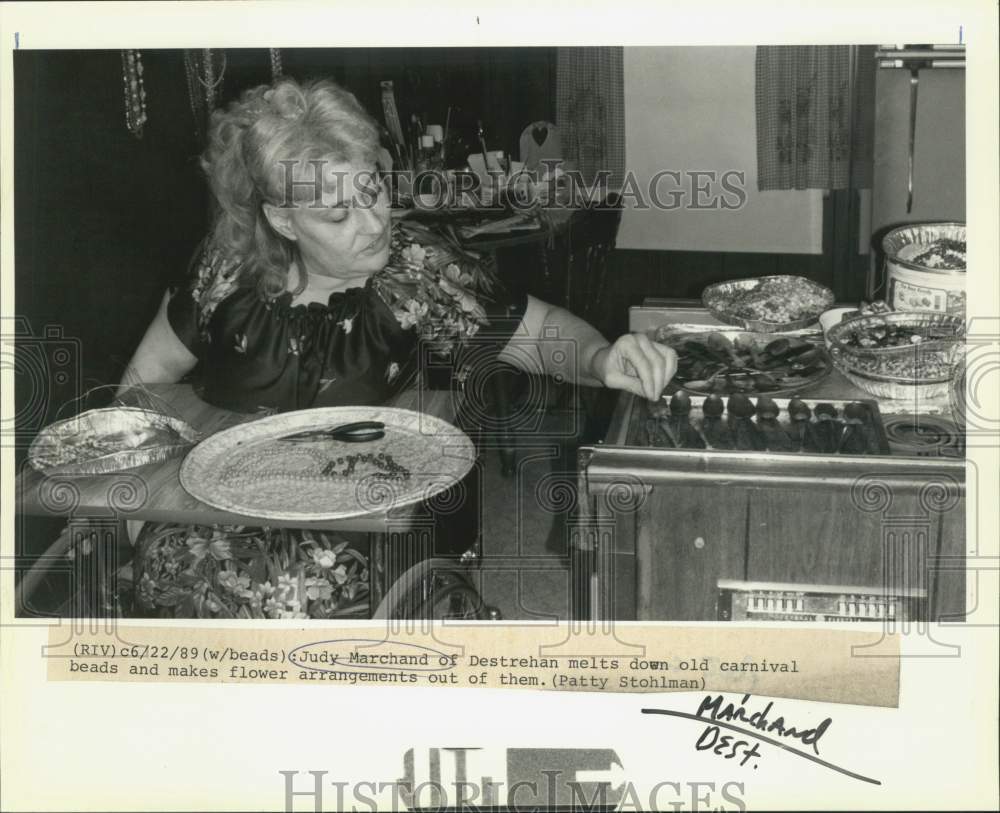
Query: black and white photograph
657, 333
600, 403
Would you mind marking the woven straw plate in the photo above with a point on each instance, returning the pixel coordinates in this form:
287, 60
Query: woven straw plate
247, 470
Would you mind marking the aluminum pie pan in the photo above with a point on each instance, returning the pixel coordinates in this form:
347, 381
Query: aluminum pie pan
896, 390
101, 424
854, 360
721, 289
922, 235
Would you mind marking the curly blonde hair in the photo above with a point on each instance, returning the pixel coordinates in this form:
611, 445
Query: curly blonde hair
250, 145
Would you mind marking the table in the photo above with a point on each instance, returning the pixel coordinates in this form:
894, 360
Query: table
154, 493
655, 312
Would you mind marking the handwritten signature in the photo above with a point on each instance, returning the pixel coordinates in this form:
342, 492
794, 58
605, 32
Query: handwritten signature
762, 725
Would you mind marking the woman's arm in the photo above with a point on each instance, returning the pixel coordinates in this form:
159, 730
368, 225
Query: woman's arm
553, 341
160, 358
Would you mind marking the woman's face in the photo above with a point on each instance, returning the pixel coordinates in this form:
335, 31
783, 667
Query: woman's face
344, 233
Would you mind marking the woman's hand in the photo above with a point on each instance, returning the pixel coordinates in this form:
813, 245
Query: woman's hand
637, 364
632, 363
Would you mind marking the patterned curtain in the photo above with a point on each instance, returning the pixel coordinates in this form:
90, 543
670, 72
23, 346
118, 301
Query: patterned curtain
590, 110
812, 130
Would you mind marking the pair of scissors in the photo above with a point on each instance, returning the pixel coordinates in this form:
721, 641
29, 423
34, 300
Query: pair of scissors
359, 432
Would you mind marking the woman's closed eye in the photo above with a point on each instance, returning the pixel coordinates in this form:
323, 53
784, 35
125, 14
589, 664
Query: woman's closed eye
338, 213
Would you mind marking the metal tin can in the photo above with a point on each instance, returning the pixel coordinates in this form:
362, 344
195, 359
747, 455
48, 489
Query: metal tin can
913, 285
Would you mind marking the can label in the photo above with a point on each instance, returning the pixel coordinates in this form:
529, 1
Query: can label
905, 296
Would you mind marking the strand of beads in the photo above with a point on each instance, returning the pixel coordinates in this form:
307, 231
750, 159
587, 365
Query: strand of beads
209, 82
209, 78
135, 91
276, 69
252, 468
252, 465
387, 468
194, 93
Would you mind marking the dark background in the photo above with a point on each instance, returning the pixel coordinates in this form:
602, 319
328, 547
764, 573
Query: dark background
105, 221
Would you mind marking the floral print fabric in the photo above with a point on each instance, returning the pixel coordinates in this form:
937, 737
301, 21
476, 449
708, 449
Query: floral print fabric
358, 348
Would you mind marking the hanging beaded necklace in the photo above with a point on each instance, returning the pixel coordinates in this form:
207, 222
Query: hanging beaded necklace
211, 83
204, 80
276, 69
194, 95
135, 91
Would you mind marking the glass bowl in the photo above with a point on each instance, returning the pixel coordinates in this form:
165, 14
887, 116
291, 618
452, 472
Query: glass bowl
888, 351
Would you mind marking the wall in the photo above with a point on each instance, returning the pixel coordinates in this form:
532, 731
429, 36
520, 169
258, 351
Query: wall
102, 221
939, 167
692, 108
939, 156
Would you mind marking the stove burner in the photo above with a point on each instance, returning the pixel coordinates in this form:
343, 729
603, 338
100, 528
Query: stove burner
923, 435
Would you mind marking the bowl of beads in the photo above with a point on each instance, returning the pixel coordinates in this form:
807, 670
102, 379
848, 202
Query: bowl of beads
772, 304
900, 354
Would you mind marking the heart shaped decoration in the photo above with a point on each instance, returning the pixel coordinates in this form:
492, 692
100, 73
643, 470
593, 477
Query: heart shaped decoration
539, 134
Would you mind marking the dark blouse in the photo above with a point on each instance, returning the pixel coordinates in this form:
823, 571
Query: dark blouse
259, 354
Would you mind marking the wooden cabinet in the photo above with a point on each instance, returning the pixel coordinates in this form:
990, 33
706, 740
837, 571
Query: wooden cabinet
687, 538
883, 523
823, 537
948, 576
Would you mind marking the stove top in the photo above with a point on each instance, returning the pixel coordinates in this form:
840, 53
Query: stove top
923, 436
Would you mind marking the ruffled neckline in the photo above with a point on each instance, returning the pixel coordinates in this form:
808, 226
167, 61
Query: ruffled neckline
337, 299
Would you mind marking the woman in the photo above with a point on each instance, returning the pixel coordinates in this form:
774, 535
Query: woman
292, 306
